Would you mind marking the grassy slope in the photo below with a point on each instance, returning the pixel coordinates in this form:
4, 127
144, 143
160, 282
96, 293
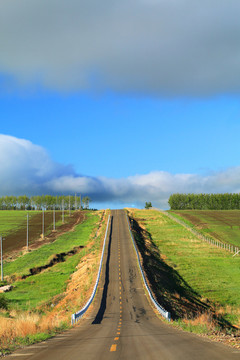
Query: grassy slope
32, 291
64, 243
223, 225
211, 272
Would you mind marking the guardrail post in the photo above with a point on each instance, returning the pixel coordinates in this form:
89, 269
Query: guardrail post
168, 316
73, 319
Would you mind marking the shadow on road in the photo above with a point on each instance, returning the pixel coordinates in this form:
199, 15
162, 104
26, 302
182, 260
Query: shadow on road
102, 308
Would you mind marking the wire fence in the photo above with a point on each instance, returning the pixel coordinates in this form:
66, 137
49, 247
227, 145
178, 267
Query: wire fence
235, 250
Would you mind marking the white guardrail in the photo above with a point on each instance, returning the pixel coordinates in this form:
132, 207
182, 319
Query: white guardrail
80, 313
159, 308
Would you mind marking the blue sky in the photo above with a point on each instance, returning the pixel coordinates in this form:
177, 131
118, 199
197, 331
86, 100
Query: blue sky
116, 136
122, 112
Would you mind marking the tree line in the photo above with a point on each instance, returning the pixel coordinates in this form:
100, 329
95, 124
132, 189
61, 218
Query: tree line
47, 202
204, 201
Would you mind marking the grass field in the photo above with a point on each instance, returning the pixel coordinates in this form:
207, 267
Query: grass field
193, 266
11, 220
13, 227
223, 225
36, 289
40, 305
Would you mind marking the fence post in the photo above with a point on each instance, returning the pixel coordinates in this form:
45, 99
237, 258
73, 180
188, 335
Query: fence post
43, 223
54, 227
27, 230
62, 212
75, 202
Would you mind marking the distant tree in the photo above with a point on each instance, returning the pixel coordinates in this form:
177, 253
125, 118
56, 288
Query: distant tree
148, 204
204, 201
23, 202
86, 200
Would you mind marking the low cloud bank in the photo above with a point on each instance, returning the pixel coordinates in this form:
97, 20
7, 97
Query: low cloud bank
27, 169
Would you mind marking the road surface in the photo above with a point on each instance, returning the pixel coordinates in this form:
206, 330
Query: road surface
122, 324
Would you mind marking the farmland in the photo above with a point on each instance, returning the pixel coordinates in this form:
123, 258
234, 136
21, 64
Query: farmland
223, 225
189, 274
38, 295
13, 226
52, 280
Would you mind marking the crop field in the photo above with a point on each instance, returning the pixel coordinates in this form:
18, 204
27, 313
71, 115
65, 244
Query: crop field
223, 225
41, 301
13, 226
209, 274
31, 289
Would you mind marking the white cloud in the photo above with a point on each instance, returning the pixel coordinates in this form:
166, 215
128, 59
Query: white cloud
174, 47
27, 169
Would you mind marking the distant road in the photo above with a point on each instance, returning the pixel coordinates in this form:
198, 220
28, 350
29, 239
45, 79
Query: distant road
122, 324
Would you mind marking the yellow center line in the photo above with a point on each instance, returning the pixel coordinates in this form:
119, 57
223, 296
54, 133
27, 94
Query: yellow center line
113, 347
116, 338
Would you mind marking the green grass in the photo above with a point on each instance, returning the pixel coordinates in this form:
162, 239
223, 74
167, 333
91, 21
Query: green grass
64, 243
223, 225
11, 220
38, 289
211, 272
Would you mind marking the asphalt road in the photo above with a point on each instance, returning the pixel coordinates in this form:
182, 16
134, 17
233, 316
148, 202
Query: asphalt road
122, 324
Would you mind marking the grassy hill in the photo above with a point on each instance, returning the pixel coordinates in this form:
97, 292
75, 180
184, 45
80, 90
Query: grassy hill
223, 225
198, 283
50, 283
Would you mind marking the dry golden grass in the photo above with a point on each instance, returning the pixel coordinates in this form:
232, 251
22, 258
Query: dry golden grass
23, 325
204, 319
26, 323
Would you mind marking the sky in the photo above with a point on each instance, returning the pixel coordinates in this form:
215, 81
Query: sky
125, 102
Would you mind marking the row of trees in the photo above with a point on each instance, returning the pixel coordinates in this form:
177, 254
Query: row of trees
47, 202
204, 201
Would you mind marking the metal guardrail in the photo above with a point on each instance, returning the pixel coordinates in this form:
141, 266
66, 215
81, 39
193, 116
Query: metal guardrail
159, 308
76, 316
